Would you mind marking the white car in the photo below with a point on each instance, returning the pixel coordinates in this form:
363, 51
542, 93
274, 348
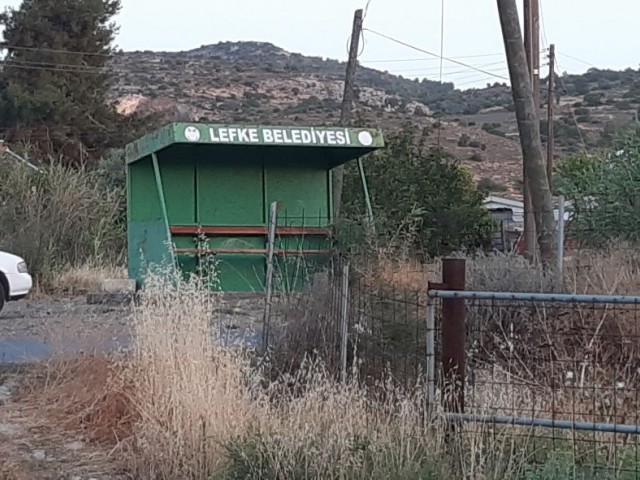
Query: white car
15, 281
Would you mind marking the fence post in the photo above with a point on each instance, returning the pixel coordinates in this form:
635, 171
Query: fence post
431, 356
561, 209
273, 219
453, 336
344, 318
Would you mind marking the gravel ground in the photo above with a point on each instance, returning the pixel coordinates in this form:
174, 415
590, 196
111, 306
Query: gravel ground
36, 329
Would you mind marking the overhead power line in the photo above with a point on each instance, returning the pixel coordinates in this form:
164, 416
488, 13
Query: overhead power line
413, 47
429, 59
577, 59
4, 46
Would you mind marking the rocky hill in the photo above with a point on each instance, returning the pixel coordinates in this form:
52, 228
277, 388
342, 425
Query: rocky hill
252, 82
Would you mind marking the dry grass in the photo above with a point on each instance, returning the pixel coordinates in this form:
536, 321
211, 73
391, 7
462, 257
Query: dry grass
182, 406
205, 412
84, 279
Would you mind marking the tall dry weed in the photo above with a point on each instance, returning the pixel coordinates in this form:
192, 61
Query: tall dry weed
204, 411
59, 217
192, 395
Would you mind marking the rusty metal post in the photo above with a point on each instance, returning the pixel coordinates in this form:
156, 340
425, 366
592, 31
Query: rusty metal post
453, 336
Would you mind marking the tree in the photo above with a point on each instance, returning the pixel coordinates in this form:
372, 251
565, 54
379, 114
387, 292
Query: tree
413, 186
54, 81
604, 189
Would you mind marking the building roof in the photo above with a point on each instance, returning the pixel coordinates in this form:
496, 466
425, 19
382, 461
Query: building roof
337, 143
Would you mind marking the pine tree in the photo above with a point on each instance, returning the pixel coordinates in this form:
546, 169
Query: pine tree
55, 79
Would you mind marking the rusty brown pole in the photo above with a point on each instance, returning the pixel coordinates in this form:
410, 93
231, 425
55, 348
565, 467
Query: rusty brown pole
453, 336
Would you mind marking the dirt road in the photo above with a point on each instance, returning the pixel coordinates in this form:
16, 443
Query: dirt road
32, 330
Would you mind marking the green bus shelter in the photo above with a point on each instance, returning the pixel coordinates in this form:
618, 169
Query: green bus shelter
199, 191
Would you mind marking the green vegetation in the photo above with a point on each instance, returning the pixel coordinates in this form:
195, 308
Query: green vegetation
56, 97
414, 187
604, 187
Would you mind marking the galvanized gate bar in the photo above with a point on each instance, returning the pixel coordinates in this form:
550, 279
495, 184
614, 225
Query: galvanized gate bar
545, 423
536, 297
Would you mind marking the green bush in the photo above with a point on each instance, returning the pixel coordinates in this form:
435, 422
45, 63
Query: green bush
419, 192
604, 187
463, 141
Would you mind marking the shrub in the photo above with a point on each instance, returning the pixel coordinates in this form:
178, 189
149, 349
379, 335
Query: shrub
477, 157
593, 99
463, 140
61, 217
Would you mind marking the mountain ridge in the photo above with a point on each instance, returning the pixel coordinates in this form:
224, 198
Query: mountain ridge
259, 82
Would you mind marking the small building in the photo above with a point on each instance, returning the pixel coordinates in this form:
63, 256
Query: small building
508, 214
200, 192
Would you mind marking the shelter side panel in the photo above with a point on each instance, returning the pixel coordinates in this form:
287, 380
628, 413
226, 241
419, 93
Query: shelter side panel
146, 232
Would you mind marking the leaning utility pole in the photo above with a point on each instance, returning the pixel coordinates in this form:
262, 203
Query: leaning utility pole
551, 104
528, 126
347, 103
531, 41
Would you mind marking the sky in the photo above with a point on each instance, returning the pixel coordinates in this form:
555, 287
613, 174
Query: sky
586, 32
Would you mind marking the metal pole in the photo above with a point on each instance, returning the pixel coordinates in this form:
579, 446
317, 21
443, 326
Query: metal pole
536, 297
367, 197
561, 209
431, 356
344, 319
546, 423
273, 219
163, 208
453, 336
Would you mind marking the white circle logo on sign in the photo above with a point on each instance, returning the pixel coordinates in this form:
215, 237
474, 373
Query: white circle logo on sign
365, 138
192, 134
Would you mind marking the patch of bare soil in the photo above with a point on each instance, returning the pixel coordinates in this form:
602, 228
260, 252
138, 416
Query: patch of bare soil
59, 421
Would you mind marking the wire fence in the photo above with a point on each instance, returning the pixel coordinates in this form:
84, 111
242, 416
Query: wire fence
356, 325
559, 372
556, 374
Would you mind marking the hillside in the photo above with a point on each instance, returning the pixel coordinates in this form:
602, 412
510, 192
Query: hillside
254, 82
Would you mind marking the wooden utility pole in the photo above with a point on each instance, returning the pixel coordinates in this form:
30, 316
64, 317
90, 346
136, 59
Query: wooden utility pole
347, 103
528, 126
551, 104
530, 243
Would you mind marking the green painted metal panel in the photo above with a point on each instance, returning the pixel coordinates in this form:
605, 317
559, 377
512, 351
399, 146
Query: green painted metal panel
335, 137
146, 233
143, 201
147, 248
179, 181
302, 194
241, 272
357, 141
230, 194
150, 143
